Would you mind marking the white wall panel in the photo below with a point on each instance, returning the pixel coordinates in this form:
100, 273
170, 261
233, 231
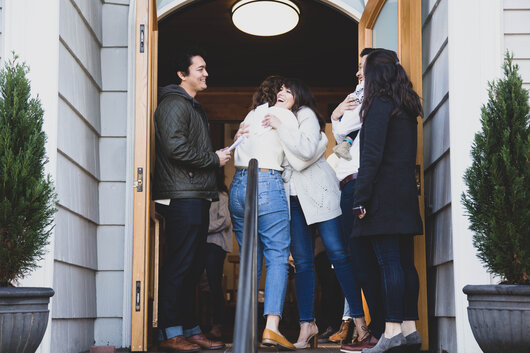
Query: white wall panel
445, 291
438, 185
436, 82
108, 331
77, 190
122, 2
72, 336
114, 114
110, 247
517, 22
80, 40
115, 28
109, 287
92, 13
434, 34
113, 155
517, 4
441, 237
78, 140
78, 89
75, 239
112, 203
445, 337
75, 292
114, 69
518, 44
524, 69
436, 135
427, 7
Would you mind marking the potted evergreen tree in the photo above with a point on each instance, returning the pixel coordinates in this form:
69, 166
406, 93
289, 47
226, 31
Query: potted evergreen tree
27, 207
498, 206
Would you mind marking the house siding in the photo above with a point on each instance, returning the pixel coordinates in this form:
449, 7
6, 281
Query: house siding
436, 158
78, 176
516, 27
1, 30
110, 288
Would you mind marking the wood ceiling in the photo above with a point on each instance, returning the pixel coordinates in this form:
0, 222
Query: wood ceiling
321, 50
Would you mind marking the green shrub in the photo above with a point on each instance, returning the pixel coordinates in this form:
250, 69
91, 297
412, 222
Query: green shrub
498, 182
27, 196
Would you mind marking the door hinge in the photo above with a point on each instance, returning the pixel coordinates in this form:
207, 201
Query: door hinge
142, 38
139, 182
138, 288
418, 178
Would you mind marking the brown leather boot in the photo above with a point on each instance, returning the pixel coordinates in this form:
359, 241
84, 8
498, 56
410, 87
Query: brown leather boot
206, 343
178, 344
344, 331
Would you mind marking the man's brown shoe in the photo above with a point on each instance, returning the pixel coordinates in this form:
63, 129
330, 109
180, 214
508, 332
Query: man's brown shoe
206, 343
356, 346
346, 327
178, 344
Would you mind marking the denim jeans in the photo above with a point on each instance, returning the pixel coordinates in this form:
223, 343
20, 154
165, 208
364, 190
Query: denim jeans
399, 279
185, 244
364, 262
273, 231
302, 247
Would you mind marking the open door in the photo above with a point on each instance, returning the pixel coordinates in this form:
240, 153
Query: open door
396, 25
145, 222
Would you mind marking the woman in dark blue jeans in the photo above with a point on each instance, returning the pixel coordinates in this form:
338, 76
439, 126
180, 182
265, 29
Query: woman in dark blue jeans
386, 198
314, 200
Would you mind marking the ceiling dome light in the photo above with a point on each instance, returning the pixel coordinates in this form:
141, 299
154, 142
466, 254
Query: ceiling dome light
265, 17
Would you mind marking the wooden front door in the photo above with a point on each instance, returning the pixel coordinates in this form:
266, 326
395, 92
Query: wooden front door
145, 223
396, 25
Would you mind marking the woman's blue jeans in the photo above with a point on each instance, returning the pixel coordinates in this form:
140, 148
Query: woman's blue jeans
273, 230
302, 248
399, 278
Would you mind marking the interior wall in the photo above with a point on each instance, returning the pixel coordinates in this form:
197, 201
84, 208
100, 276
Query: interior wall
436, 159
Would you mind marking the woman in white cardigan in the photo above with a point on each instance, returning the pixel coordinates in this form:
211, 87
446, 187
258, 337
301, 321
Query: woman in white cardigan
314, 199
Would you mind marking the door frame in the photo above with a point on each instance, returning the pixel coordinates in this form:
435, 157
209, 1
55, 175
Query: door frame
410, 56
145, 79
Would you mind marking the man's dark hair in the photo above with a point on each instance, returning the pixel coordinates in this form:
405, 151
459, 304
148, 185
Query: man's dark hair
183, 61
367, 51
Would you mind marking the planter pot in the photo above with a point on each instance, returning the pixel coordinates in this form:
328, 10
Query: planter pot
23, 318
499, 316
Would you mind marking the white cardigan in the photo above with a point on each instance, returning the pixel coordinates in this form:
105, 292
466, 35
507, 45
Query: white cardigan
317, 187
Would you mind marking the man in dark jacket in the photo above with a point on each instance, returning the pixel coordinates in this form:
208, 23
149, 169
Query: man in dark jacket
184, 185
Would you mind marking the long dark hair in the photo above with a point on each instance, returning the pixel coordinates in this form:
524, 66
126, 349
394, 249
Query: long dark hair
303, 98
267, 91
386, 78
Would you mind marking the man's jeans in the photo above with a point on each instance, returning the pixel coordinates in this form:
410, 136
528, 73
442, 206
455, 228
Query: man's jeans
302, 248
273, 230
186, 230
364, 261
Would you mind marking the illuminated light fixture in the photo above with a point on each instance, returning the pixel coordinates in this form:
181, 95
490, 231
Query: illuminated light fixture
265, 17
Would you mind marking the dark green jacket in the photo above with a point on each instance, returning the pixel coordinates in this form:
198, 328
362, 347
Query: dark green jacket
186, 165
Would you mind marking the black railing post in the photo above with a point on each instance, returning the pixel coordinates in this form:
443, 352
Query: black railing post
246, 323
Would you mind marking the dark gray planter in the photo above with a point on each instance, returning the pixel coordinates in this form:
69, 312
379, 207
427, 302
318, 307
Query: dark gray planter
23, 318
499, 316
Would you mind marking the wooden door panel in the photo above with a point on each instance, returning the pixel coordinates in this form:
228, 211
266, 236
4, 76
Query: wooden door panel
143, 215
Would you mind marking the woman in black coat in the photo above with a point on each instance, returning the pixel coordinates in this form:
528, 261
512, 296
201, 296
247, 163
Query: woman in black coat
386, 199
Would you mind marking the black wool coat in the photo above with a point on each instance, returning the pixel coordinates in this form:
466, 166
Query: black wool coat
386, 182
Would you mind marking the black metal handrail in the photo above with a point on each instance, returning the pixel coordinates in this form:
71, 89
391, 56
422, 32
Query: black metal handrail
246, 323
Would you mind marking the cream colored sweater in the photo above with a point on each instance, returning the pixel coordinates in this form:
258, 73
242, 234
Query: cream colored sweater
263, 143
315, 181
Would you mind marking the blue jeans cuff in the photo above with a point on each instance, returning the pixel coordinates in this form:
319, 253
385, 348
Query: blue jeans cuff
192, 331
171, 332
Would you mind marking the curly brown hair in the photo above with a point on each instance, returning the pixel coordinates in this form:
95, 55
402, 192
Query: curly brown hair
267, 91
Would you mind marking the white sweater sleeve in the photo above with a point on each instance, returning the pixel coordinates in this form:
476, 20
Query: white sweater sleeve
350, 121
302, 142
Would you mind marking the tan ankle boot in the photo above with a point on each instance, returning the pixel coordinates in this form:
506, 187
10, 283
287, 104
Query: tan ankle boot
342, 333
